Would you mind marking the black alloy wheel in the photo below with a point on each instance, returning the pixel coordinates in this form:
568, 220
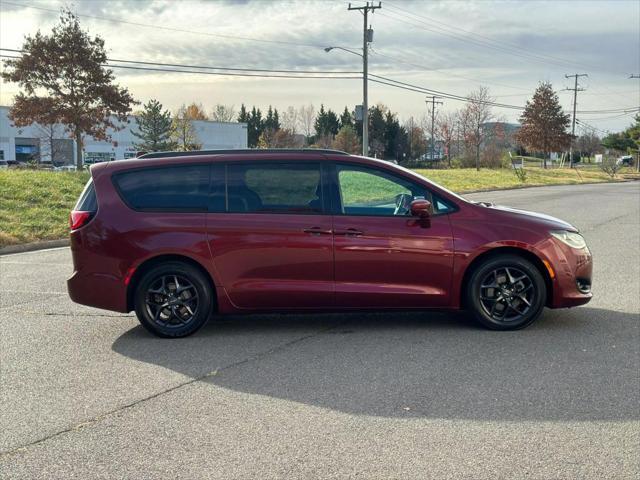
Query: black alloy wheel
173, 299
506, 293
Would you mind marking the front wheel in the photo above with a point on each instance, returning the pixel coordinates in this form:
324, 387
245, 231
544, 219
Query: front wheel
173, 299
506, 293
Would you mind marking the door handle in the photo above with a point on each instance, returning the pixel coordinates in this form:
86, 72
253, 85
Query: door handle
317, 231
349, 232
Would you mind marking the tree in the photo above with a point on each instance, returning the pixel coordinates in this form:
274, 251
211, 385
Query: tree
543, 123
377, 128
307, 116
346, 119
223, 113
290, 120
154, 128
183, 134
195, 111
51, 146
347, 140
445, 126
618, 141
281, 138
255, 126
477, 113
326, 123
272, 120
64, 81
588, 143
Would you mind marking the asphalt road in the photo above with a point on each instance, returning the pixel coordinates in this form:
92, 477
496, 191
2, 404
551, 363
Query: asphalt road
89, 394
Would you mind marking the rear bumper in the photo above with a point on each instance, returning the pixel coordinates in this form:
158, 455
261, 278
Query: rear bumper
99, 290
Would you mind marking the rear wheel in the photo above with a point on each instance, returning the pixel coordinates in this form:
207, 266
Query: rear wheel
506, 293
173, 299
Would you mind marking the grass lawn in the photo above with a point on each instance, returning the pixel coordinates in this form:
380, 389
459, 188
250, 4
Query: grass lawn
35, 205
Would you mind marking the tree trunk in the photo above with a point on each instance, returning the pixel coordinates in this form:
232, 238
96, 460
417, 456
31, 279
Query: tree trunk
477, 158
78, 139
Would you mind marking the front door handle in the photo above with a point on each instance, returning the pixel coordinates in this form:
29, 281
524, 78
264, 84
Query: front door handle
317, 231
349, 232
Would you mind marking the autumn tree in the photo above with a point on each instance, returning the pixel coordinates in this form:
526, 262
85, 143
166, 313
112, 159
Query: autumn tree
347, 140
281, 138
475, 114
183, 134
543, 123
154, 128
63, 80
195, 111
223, 113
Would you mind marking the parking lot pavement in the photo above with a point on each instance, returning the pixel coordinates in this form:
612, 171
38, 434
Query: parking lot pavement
90, 394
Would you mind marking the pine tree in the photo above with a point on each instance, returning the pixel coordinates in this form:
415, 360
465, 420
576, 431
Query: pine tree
255, 126
346, 119
154, 128
544, 124
327, 123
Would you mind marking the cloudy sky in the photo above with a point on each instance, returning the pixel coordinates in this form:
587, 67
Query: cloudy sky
449, 46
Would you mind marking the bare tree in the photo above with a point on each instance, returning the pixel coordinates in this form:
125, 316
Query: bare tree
307, 118
289, 119
476, 113
223, 113
446, 126
183, 133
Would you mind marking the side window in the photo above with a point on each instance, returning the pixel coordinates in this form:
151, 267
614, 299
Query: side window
366, 191
274, 187
182, 188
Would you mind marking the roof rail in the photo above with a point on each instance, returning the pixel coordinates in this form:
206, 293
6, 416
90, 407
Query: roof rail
240, 151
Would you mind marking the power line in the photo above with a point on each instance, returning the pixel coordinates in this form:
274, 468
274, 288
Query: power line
226, 73
207, 67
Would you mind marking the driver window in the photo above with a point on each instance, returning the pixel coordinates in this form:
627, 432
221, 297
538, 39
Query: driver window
365, 191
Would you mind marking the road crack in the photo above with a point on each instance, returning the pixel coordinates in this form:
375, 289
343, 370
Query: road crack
128, 406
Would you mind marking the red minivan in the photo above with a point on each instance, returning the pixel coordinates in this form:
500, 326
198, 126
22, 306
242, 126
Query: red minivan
179, 236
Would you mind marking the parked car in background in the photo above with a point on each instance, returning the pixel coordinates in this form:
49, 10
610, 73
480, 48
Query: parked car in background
625, 160
178, 236
65, 168
4, 164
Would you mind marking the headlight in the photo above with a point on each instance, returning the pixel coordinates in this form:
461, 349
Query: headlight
574, 240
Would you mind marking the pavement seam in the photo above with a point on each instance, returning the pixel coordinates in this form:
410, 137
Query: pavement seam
98, 418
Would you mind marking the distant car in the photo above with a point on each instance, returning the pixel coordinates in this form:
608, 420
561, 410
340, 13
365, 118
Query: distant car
65, 168
176, 236
625, 160
4, 164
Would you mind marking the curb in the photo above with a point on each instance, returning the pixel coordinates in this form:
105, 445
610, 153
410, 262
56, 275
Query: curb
34, 246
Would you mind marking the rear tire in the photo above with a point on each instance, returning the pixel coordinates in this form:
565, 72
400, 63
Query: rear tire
173, 299
506, 292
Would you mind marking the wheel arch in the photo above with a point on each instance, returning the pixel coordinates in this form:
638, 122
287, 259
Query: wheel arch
159, 259
498, 251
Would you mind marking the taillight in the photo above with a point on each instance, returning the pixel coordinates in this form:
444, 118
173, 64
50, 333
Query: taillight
78, 219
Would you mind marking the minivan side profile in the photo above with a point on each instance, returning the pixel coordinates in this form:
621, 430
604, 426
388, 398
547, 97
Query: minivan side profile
179, 236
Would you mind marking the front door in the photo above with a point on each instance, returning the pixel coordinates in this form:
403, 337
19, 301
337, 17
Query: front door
271, 244
384, 257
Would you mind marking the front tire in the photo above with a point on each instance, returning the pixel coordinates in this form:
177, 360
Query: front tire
173, 300
506, 293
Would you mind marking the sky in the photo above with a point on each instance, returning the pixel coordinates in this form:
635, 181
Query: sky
449, 46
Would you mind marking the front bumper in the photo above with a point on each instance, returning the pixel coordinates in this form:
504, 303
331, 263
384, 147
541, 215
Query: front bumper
573, 276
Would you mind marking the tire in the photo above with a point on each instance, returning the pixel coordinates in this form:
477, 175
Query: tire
506, 292
173, 299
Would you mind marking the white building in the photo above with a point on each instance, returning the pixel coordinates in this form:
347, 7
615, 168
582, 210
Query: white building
20, 144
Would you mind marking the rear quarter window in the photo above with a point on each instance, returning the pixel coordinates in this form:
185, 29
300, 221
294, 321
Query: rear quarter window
87, 201
182, 188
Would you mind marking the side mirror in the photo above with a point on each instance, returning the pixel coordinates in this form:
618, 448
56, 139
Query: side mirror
422, 210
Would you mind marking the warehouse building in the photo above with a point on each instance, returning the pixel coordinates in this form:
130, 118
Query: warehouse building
41, 143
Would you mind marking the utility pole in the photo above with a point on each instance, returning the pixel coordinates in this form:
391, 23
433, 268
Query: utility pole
367, 38
633, 75
433, 121
575, 91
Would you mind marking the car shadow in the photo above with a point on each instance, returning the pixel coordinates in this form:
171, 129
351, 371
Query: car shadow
571, 365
